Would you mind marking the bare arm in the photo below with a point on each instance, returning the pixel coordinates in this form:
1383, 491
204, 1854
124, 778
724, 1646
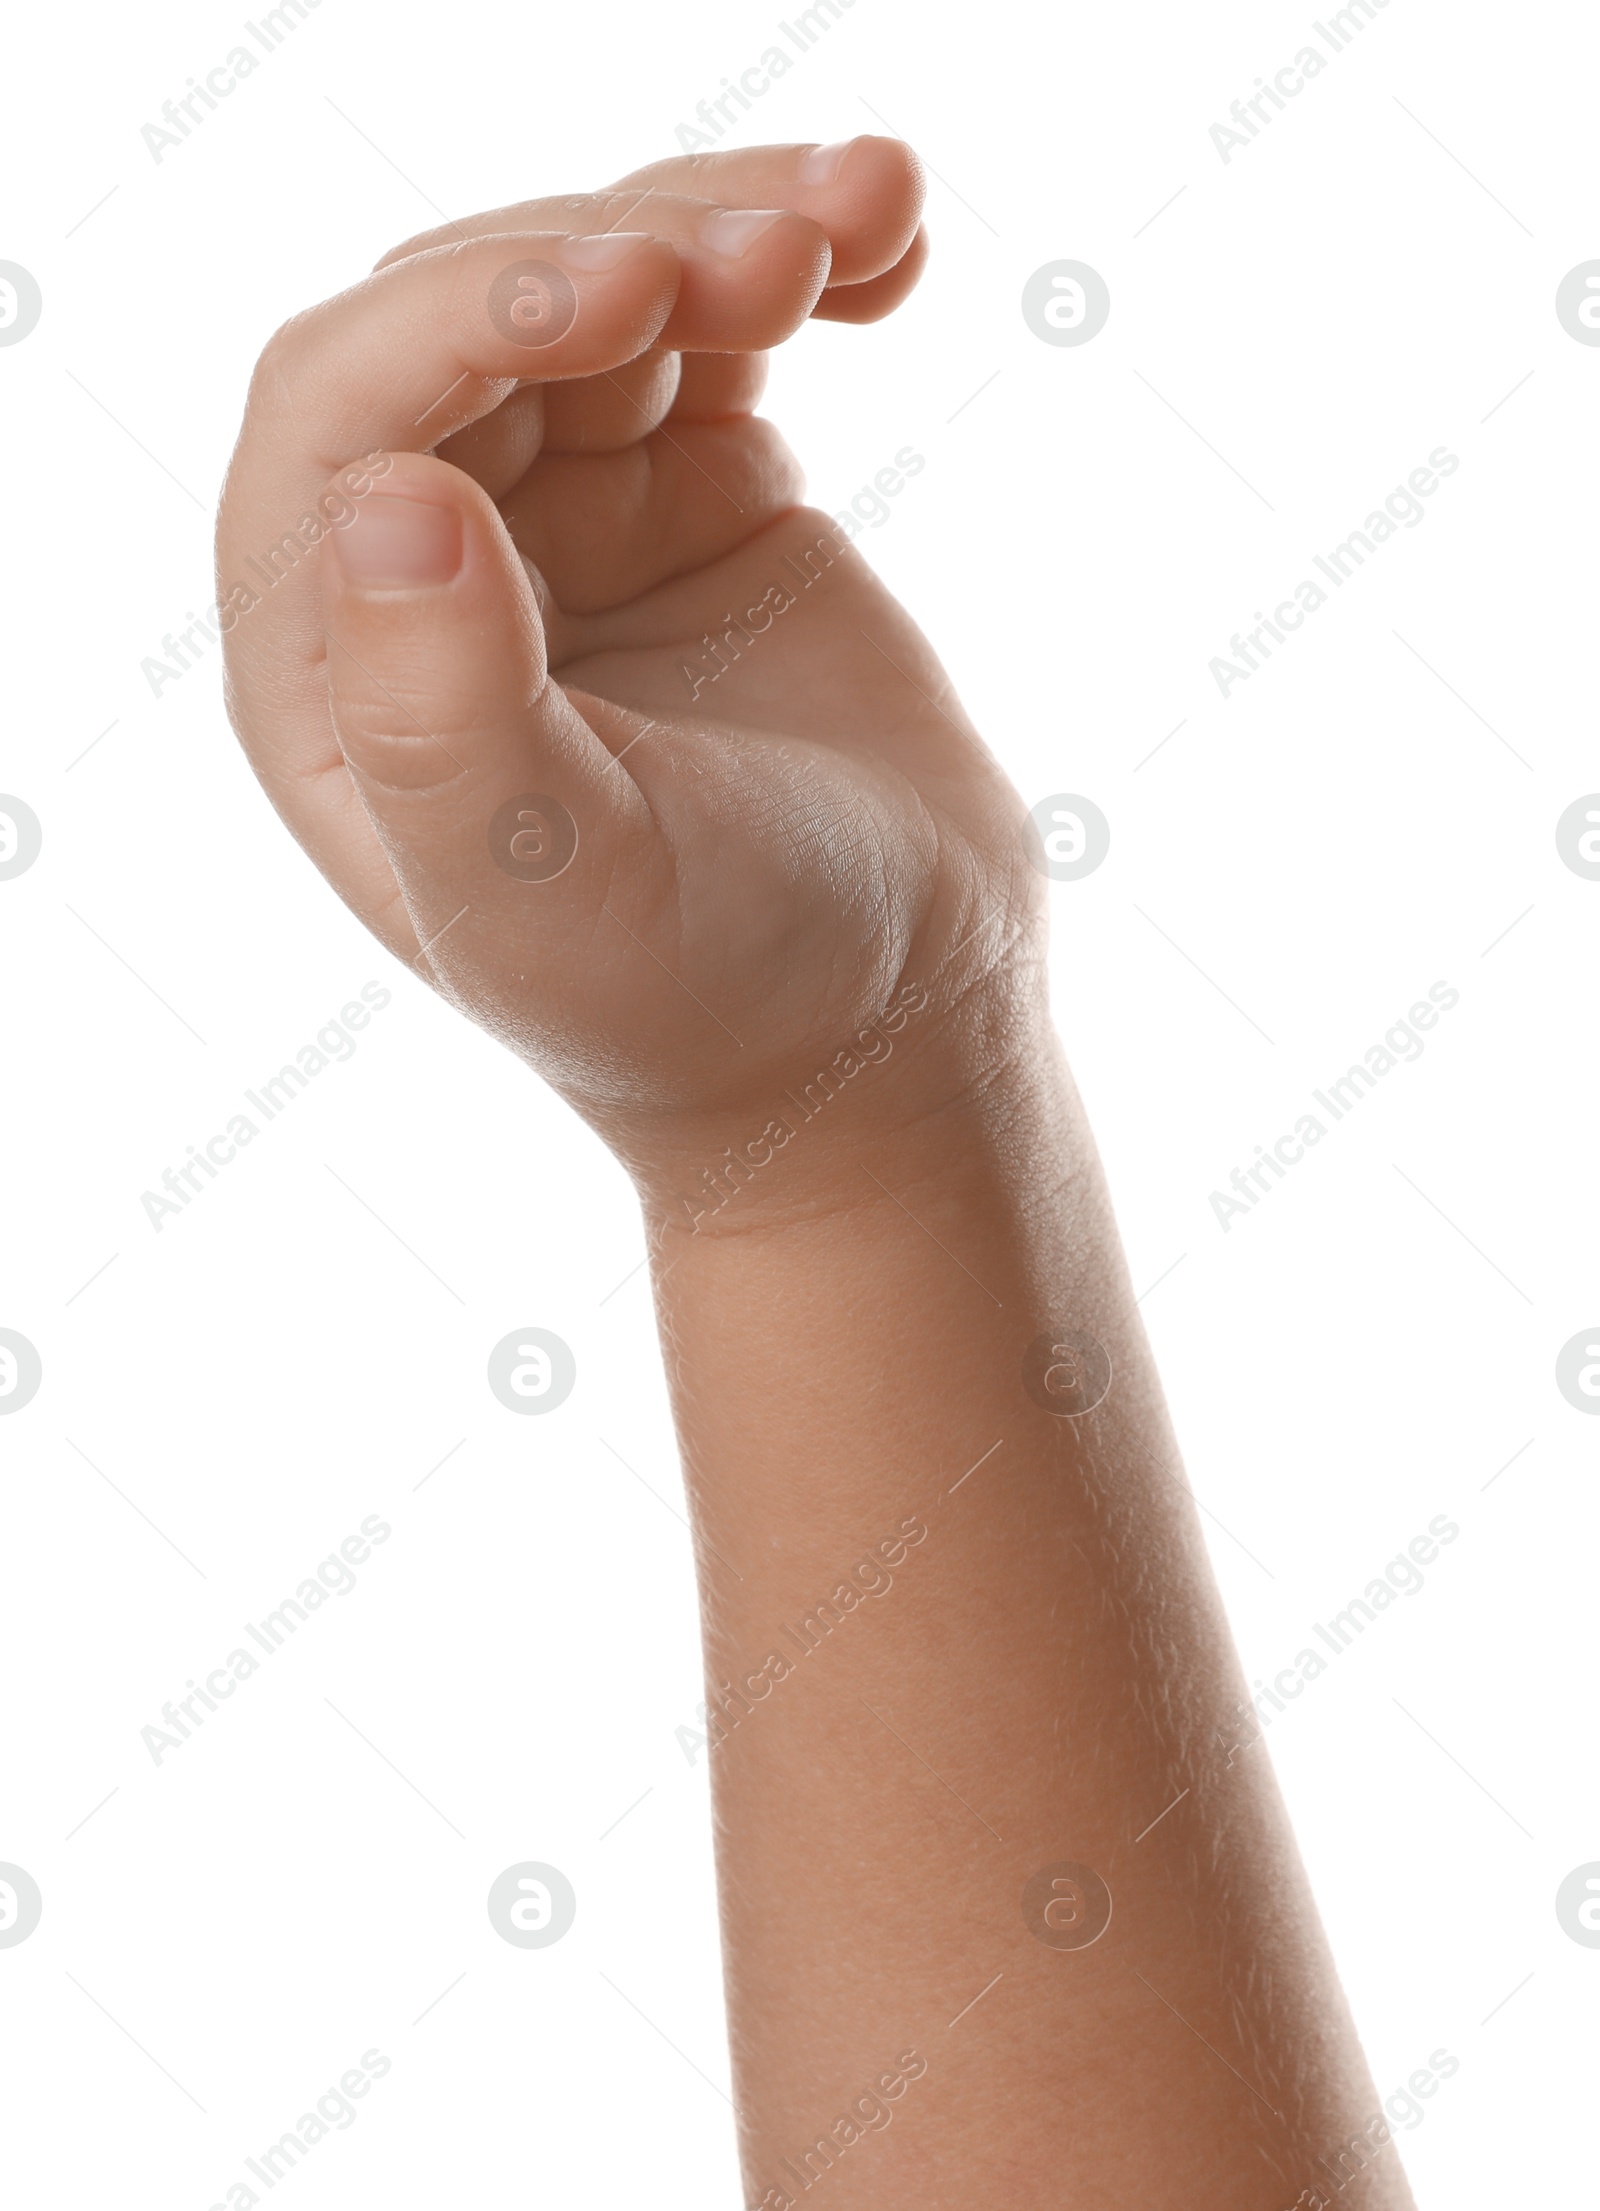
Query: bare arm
970, 1685
629, 754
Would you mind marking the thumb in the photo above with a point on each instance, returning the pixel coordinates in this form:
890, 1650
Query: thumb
478, 774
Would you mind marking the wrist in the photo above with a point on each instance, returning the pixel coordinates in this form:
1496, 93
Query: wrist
927, 1095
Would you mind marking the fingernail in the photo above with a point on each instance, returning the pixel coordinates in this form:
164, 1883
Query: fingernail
734, 230
397, 544
601, 249
822, 164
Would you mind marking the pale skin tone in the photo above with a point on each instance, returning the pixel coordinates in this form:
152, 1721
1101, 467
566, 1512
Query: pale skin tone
538, 540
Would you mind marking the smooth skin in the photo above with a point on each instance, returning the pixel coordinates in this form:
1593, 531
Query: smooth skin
795, 854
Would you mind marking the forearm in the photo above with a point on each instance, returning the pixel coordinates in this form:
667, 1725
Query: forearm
955, 1639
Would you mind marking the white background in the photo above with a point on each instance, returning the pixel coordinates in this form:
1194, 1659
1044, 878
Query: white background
1371, 813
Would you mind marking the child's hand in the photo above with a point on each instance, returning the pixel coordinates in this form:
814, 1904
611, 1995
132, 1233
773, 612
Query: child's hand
572, 584
580, 578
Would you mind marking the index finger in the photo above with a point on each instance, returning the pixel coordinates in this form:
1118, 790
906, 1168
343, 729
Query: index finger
866, 192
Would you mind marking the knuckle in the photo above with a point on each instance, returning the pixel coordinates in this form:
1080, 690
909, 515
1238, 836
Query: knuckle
391, 755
